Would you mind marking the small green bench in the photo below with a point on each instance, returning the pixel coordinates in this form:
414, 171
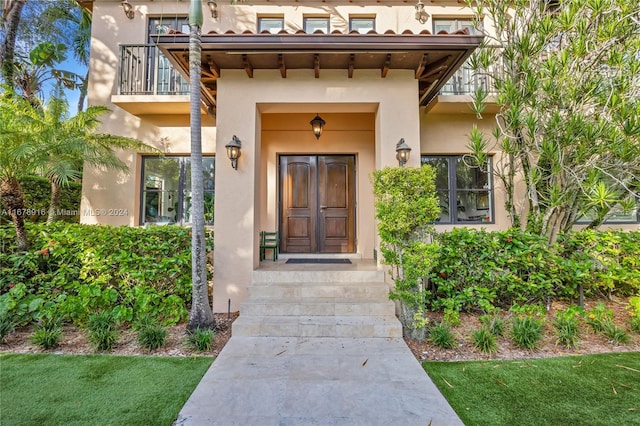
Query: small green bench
268, 241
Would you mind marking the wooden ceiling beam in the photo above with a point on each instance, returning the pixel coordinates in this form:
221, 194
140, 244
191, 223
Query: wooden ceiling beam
437, 65
422, 65
282, 66
316, 65
385, 67
352, 60
248, 68
213, 67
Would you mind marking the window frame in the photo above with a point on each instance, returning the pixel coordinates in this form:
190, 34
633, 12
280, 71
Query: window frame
263, 19
326, 19
181, 190
452, 191
353, 19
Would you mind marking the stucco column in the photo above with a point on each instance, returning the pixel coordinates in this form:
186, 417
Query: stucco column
235, 216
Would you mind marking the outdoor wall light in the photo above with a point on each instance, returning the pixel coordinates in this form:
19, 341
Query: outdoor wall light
317, 124
128, 9
213, 7
233, 151
403, 151
421, 14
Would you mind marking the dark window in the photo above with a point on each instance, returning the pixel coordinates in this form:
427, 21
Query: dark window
465, 192
273, 25
311, 25
362, 25
166, 190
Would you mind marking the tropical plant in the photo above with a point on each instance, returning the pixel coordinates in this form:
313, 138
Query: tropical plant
494, 323
442, 336
151, 334
48, 331
485, 340
201, 315
103, 330
526, 331
566, 325
565, 75
200, 339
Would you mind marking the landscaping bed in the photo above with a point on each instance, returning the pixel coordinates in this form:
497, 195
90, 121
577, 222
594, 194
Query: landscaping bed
589, 343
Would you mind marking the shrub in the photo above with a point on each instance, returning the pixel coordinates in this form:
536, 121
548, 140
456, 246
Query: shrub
6, 324
634, 312
48, 331
133, 272
442, 336
614, 333
599, 317
494, 323
200, 339
151, 334
526, 331
103, 330
566, 327
481, 269
484, 340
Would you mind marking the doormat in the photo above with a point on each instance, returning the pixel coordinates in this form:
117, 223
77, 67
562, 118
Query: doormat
342, 261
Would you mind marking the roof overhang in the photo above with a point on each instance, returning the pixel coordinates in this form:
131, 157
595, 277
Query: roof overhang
432, 58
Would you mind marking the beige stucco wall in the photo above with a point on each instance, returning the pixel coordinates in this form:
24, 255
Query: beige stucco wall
365, 116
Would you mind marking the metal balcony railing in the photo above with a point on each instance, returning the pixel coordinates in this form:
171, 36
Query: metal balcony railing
465, 82
144, 70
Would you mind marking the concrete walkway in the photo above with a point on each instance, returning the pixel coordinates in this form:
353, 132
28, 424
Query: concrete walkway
316, 381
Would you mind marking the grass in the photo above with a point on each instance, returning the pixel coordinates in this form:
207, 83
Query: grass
585, 390
96, 389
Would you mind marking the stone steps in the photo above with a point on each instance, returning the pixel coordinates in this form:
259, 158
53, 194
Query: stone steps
318, 303
317, 326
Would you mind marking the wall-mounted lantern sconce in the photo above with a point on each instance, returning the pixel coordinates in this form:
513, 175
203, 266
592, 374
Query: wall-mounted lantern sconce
233, 151
317, 124
213, 7
421, 15
128, 9
403, 151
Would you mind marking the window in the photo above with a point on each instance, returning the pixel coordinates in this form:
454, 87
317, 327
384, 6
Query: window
166, 190
272, 25
362, 25
452, 25
618, 215
465, 192
311, 25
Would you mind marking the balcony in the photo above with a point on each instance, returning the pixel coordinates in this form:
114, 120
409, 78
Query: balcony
455, 96
148, 84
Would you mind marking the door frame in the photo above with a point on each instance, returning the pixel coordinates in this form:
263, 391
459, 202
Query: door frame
354, 198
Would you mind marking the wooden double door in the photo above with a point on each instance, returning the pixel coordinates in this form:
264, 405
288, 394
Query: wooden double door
317, 211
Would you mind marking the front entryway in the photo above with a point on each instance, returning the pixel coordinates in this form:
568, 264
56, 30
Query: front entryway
317, 196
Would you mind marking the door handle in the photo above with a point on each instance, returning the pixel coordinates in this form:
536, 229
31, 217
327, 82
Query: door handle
323, 207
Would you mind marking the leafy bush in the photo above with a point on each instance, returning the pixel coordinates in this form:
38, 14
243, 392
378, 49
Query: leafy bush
6, 324
37, 194
526, 331
634, 312
442, 336
48, 331
484, 340
566, 325
479, 269
200, 339
103, 330
82, 268
151, 334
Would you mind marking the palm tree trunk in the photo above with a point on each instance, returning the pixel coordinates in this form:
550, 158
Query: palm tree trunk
201, 315
54, 203
11, 13
83, 91
13, 200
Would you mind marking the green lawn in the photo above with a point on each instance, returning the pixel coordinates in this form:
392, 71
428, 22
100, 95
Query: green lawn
580, 390
95, 389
